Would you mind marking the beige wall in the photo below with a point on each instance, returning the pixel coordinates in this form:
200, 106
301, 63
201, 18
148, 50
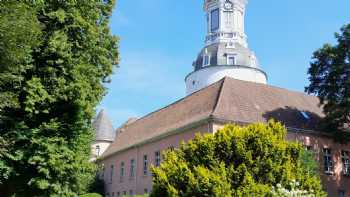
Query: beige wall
138, 184
103, 145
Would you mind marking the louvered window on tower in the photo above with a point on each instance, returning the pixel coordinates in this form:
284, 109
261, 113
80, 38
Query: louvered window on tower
214, 20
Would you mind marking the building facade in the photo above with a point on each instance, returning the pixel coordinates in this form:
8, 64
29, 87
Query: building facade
227, 85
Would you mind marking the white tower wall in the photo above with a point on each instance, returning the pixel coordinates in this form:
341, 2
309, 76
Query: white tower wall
226, 52
205, 77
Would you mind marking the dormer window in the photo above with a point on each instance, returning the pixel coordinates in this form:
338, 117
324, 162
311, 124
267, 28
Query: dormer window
305, 115
231, 59
206, 60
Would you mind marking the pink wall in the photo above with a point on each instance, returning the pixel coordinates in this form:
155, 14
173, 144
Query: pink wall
335, 182
140, 182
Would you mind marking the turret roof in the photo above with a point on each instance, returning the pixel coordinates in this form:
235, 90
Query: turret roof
103, 127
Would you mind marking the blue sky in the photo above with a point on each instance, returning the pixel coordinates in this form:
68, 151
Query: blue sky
159, 39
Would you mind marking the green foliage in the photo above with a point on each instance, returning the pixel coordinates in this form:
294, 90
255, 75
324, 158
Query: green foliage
97, 186
235, 161
91, 195
54, 59
292, 190
309, 163
329, 77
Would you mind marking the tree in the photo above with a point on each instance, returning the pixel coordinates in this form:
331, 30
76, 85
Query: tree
55, 57
235, 161
329, 76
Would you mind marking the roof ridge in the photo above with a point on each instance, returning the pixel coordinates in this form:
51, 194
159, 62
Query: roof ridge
223, 80
174, 103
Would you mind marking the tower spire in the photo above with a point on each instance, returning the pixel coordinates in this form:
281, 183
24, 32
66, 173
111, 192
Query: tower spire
226, 52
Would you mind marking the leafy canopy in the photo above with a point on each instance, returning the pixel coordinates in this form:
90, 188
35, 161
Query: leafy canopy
329, 76
54, 59
235, 161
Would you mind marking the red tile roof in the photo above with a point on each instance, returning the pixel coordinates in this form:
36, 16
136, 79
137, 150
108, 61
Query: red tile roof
229, 100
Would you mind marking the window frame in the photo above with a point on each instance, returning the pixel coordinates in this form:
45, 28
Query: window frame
132, 168
345, 158
214, 27
122, 171
229, 56
328, 161
206, 60
111, 174
157, 158
145, 165
97, 150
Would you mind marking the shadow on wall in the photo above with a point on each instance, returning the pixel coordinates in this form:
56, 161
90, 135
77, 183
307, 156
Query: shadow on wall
305, 120
296, 118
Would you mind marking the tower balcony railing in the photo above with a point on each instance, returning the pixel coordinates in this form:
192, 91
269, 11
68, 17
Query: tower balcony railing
224, 35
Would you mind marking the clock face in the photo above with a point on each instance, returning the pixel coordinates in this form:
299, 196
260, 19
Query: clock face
228, 5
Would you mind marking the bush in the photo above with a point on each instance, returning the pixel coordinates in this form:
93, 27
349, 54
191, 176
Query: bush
235, 161
91, 195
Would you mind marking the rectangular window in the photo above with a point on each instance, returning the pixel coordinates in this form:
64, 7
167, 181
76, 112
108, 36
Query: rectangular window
124, 193
157, 158
206, 60
231, 59
171, 148
145, 165
112, 194
118, 194
228, 19
111, 175
103, 173
215, 20
122, 171
341, 193
131, 192
145, 191
132, 168
328, 162
345, 157
98, 150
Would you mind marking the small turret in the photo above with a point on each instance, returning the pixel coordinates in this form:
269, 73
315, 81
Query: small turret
104, 134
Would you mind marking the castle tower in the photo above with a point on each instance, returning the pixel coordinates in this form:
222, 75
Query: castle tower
104, 135
226, 52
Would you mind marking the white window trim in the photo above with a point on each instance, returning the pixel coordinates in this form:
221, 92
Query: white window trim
330, 165
209, 58
228, 59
